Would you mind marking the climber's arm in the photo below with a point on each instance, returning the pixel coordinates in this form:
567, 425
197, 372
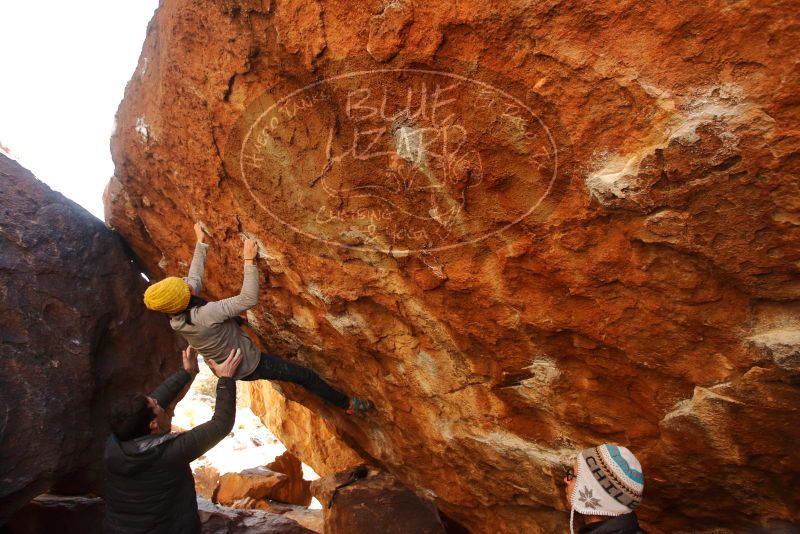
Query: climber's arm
197, 441
175, 386
192, 444
198, 266
222, 310
169, 388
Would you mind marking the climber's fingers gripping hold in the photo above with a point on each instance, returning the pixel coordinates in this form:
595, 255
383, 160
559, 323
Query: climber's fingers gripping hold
250, 250
198, 231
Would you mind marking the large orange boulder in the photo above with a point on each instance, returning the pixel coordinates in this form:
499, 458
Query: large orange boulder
521, 228
73, 334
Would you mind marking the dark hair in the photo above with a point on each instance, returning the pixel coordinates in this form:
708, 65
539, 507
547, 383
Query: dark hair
130, 416
194, 302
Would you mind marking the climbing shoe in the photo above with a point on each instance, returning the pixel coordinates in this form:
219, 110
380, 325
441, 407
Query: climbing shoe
359, 406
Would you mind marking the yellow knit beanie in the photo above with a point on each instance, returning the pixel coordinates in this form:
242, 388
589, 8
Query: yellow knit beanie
170, 295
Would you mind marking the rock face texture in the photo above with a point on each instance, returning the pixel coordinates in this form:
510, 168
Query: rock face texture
54, 513
73, 331
255, 483
376, 503
306, 435
223, 520
520, 228
297, 491
79, 515
308, 518
262, 483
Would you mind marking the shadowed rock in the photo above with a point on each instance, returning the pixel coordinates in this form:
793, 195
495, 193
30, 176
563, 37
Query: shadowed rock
376, 503
73, 333
223, 520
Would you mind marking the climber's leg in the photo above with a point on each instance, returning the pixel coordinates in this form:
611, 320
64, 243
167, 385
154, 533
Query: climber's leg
272, 368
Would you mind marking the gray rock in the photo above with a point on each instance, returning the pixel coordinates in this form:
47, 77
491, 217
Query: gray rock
224, 520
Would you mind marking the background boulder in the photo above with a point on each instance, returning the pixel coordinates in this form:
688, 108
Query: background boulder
73, 333
375, 503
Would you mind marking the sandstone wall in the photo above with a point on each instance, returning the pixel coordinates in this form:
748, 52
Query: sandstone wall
306, 435
73, 333
648, 297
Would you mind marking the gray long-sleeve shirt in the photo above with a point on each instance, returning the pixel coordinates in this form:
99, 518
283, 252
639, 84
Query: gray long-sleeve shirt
213, 330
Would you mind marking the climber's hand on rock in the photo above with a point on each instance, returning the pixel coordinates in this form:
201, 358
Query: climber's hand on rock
227, 368
198, 231
250, 250
189, 355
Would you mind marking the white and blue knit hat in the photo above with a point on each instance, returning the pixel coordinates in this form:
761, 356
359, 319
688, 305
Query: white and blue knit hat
608, 481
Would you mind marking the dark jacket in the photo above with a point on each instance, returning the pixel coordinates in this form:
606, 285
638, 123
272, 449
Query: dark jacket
621, 524
149, 485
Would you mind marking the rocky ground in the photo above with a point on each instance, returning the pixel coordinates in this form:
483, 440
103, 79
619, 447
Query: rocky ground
249, 446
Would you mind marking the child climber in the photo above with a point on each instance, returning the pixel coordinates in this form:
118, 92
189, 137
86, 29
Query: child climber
212, 327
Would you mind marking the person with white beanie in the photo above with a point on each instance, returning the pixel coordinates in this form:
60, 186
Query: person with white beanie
605, 484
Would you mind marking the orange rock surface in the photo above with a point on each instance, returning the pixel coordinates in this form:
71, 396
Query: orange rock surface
297, 490
520, 228
309, 437
256, 483
281, 481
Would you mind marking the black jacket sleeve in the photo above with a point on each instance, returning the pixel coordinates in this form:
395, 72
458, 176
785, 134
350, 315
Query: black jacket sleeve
194, 443
169, 388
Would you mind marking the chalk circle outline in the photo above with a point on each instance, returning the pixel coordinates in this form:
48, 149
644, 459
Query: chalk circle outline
398, 252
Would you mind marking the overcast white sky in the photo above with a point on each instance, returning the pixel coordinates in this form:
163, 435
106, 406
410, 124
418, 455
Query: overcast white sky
63, 69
